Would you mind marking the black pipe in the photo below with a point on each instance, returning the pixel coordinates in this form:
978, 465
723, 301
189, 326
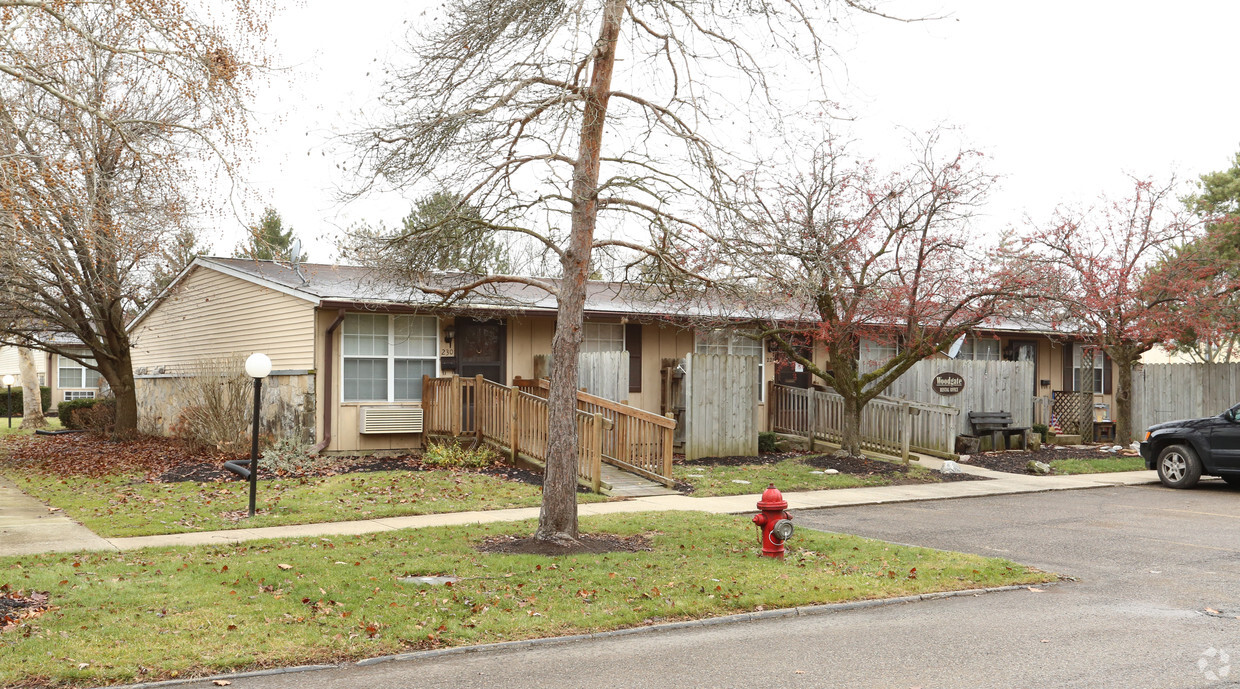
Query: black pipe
238, 467
258, 394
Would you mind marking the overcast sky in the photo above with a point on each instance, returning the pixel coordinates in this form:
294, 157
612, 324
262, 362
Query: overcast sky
1065, 98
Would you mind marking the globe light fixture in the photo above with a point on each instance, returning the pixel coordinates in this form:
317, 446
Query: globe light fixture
257, 366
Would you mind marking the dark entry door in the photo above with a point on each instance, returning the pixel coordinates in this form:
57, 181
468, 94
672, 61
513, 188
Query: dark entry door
790, 373
480, 349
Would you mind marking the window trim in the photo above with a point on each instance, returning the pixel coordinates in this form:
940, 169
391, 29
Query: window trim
733, 336
390, 358
71, 395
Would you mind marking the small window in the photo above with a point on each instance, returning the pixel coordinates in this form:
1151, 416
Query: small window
603, 337
980, 349
729, 342
71, 395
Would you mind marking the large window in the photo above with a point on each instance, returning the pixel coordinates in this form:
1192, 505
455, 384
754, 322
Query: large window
728, 342
979, 349
603, 337
873, 354
385, 356
71, 374
1078, 354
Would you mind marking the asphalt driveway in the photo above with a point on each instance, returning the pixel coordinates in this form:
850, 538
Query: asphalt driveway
1155, 604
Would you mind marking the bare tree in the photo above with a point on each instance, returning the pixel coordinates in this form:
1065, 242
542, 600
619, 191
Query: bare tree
588, 126
107, 106
830, 249
32, 401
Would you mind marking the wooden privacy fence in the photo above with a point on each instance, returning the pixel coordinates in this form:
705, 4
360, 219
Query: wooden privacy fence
516, 420
602, 374
988, 386
1169, 392
888, 426
721, 405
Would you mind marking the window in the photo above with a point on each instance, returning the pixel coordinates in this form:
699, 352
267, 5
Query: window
874, 354
71, 395
385, 357
603, 337
728, 342
1078, 352
71, 374
983, 349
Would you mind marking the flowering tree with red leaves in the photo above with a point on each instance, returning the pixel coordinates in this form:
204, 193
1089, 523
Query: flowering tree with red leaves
831, 249
1127, 274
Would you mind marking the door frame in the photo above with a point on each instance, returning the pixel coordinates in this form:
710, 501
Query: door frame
463, 324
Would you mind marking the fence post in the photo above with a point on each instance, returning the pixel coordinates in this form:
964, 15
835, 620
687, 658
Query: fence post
811, 412
906, 430
596, 453
455, 405
428, 400
513, 437
669, 437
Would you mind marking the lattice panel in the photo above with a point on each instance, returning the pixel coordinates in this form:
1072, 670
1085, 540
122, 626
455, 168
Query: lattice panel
1069, 408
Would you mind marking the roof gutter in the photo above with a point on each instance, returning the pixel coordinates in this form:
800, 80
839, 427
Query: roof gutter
328, 361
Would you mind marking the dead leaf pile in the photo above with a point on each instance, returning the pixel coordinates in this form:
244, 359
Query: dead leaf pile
86, 454
17, 607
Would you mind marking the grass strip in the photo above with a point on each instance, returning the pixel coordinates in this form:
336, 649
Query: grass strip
125, 505
789, 475
1097, 466
162, 613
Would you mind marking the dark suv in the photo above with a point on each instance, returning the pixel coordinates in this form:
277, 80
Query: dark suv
1182, 451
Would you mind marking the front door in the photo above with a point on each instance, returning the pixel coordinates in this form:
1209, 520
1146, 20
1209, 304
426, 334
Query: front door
480, 349
787, 371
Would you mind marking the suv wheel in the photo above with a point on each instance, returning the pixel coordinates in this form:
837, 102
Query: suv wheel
1178, 467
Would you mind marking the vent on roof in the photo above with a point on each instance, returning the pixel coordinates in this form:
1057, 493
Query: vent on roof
391, 420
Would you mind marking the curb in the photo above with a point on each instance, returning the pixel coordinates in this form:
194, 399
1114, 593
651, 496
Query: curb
807, 611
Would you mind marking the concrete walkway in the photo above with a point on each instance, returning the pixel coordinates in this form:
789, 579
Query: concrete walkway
27, 526
44, 531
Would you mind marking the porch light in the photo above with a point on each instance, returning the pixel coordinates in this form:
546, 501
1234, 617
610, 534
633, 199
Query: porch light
257, 366
449, 333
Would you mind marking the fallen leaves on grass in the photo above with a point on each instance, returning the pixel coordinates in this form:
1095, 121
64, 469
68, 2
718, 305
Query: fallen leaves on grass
86, 454
17, 607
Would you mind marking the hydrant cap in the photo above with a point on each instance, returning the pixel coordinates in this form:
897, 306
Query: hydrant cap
772, 499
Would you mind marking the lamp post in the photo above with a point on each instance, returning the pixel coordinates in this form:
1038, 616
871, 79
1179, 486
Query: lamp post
8, 399
257, 366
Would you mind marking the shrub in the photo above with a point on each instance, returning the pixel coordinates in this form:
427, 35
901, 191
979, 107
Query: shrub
290, 455
453, 455
766, 441
97, 418
217, 399
45, 394
1041, 429
67, 411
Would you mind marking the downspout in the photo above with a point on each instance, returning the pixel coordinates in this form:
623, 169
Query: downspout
328, 361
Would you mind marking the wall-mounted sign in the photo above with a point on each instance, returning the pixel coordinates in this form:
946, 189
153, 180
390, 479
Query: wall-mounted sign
948, 383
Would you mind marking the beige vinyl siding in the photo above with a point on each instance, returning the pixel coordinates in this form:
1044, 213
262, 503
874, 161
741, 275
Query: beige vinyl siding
211, 314
11, 365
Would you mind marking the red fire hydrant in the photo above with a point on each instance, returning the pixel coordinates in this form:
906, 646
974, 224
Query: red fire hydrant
774, 524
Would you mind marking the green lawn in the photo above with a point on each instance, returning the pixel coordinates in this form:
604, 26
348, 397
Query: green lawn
125, 505
788, 475
160, 613
53, 424
1097, 466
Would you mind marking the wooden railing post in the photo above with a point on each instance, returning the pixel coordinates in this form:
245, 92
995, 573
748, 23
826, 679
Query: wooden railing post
669, 437
596, 453
455, 405
479, 410
513, 396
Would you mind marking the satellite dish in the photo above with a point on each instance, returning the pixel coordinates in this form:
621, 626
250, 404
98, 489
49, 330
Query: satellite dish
954, 351
294, 251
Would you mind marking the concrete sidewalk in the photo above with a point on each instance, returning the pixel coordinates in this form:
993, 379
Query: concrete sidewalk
1000, 484
28, 526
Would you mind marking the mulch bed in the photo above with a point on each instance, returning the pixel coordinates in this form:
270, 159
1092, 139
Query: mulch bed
1014, 462
856, 466
586, 544
169, 460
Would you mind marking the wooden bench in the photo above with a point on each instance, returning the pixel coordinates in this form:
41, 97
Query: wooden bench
999, 425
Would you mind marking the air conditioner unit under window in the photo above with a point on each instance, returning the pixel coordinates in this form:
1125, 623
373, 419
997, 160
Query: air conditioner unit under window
390, 420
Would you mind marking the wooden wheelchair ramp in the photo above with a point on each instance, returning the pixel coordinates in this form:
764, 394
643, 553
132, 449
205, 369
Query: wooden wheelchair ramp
630, 442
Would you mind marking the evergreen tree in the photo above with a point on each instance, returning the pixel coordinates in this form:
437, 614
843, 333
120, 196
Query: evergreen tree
269, 241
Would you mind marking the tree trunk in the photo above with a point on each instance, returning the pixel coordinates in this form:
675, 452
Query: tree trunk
125, 393
1125, 358
850, 426
32, 401
557, 520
